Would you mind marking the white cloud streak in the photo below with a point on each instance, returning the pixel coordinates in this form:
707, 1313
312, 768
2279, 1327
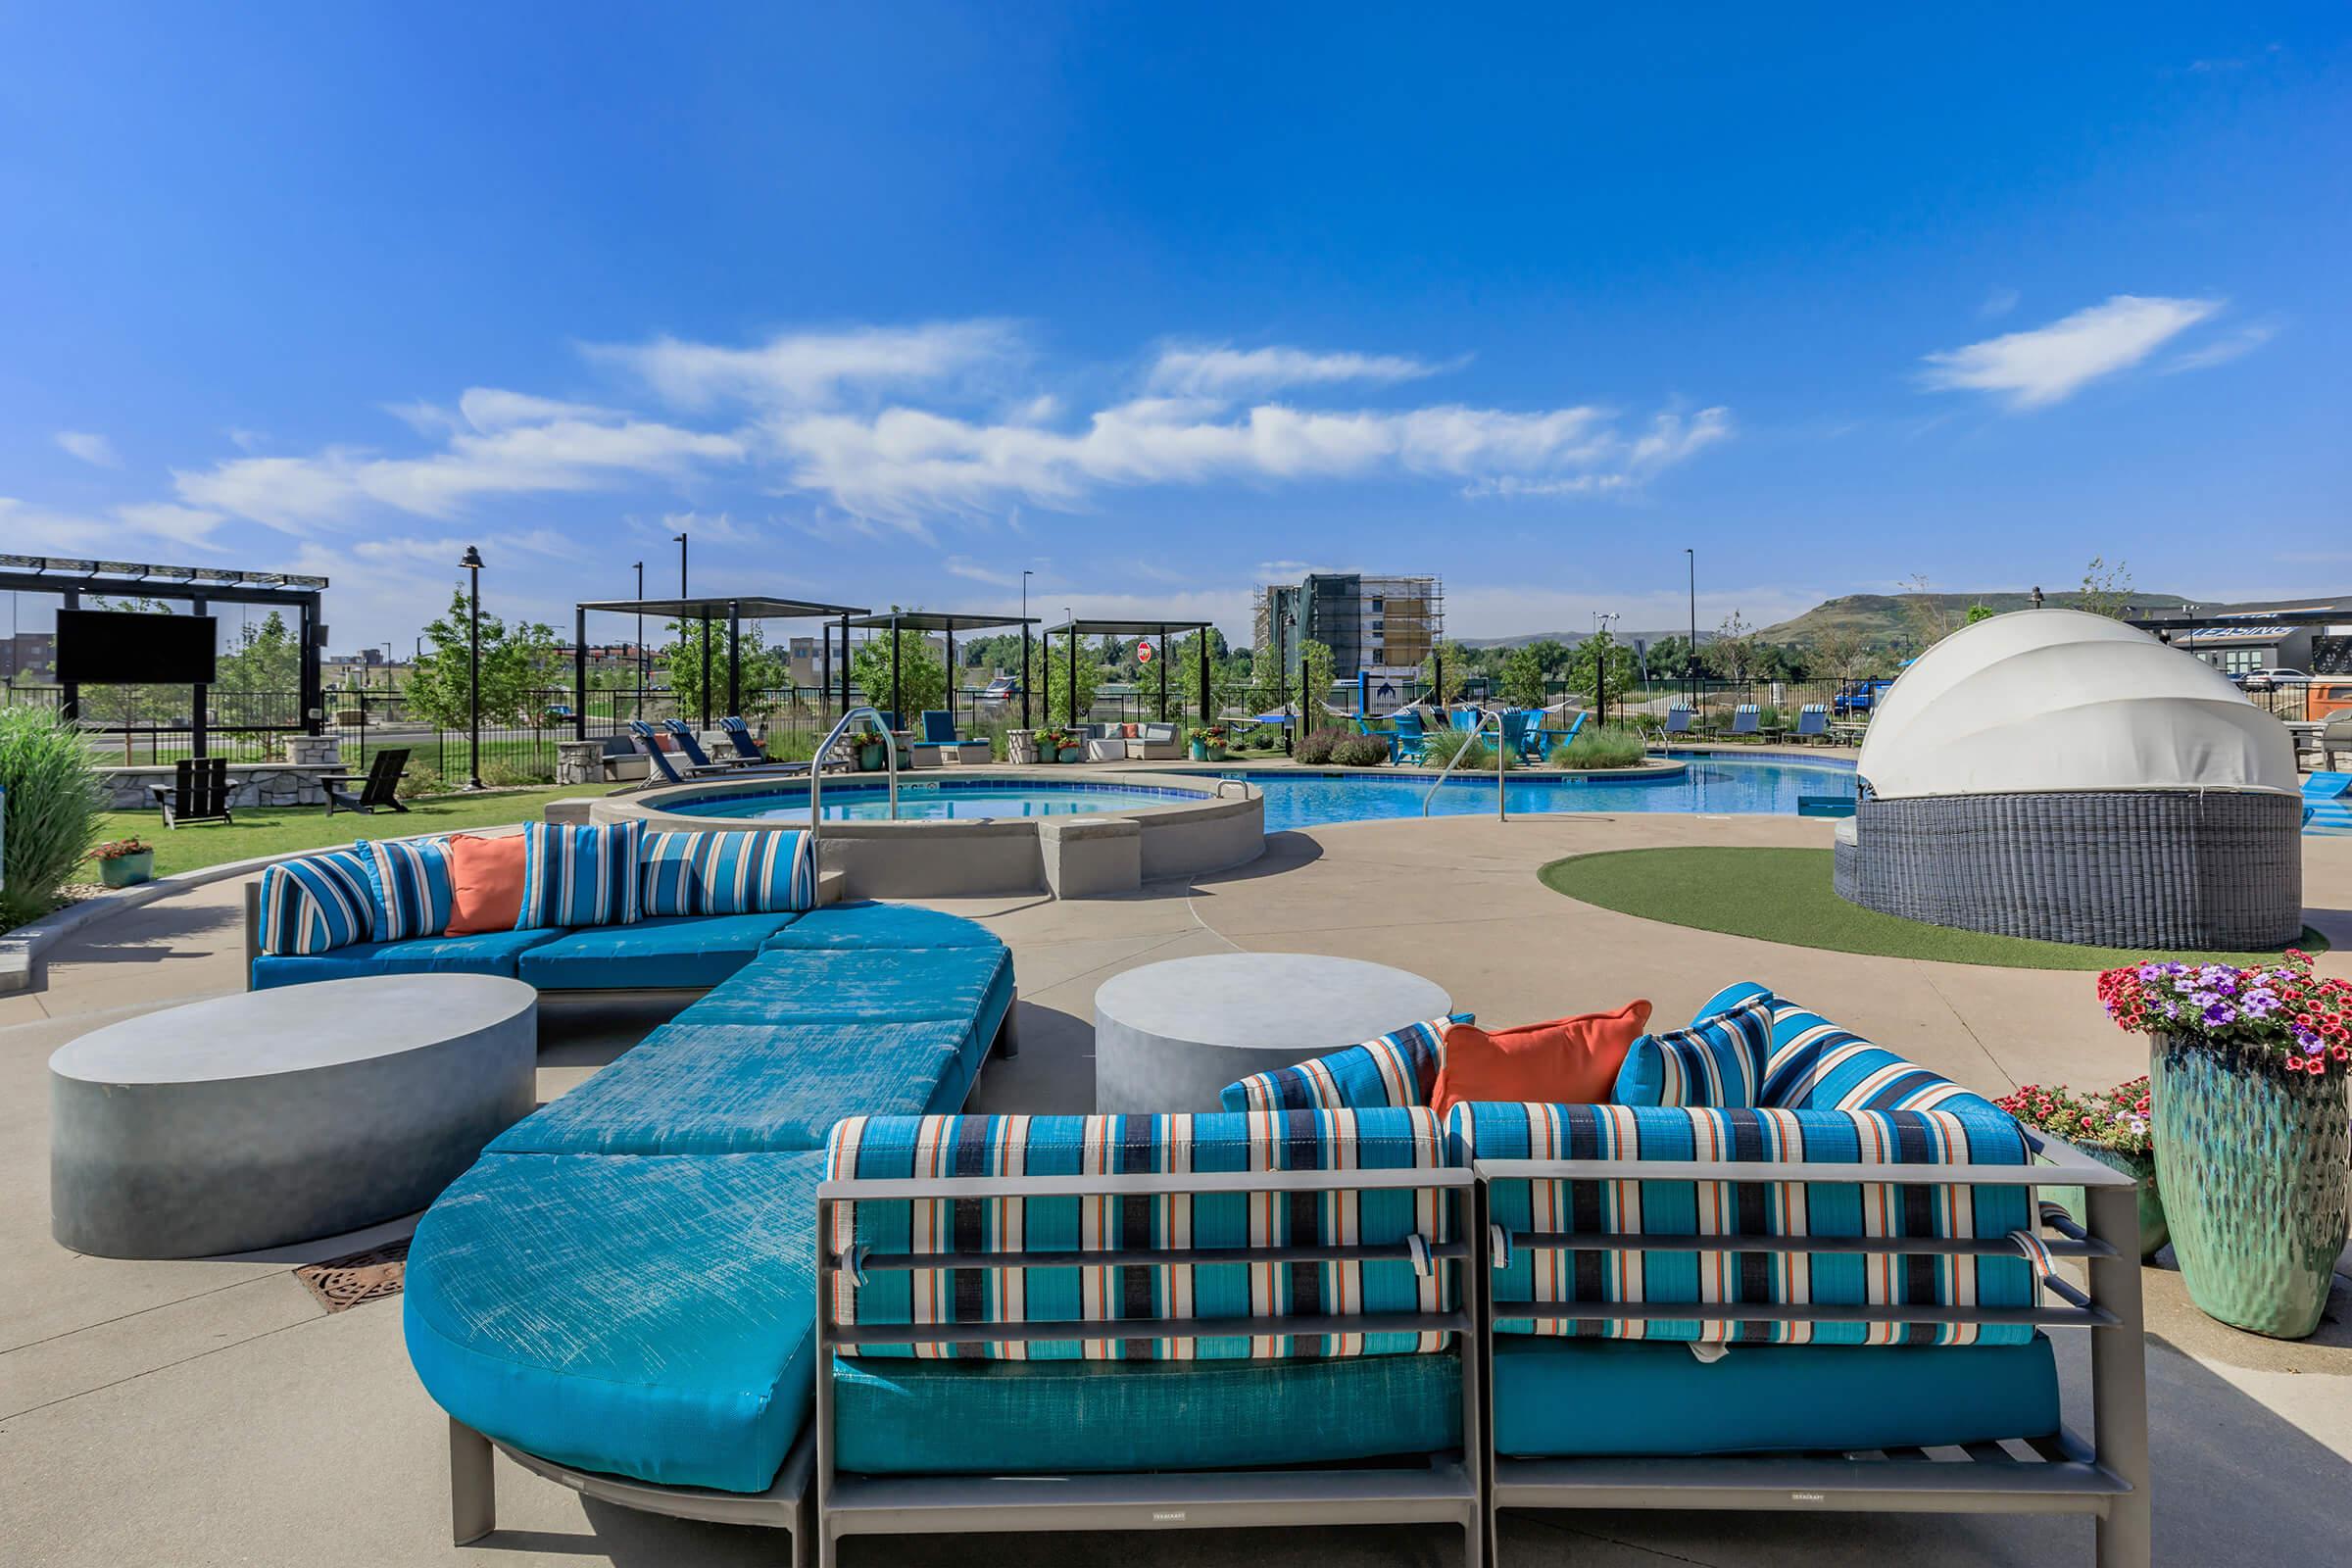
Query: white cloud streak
2049, 365
2221, 350
90, 447
810, 369
1228, 373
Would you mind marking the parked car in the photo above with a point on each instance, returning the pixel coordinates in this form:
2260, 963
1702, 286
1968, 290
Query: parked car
2262, 680
1857, 697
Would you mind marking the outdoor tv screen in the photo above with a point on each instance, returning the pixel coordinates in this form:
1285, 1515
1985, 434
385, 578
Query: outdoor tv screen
116, 647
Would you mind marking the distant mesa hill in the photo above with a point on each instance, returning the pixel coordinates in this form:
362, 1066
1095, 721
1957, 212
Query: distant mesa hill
1569, 639
1885, 618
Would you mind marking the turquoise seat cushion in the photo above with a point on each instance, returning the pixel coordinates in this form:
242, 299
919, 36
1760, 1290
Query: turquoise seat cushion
883, 925
1565, 1399
696, 1088
898, 1418
673, 952
648, 1317
854, 985
484, 953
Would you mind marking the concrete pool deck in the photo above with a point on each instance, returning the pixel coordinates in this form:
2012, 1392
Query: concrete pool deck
212, 1411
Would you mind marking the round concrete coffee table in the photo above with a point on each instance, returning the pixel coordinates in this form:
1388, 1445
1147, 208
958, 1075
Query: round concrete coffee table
276, 1116
1169, 1036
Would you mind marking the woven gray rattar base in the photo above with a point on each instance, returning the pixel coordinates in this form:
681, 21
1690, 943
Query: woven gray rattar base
2124, 868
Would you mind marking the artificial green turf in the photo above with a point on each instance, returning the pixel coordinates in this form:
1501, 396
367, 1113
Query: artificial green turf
278, 830
1784, 895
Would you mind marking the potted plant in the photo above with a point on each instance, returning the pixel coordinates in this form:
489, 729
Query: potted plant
1208, 743
2112, 1127
1073, 746
2253, 1152
124, 862
872, 756
1049, 745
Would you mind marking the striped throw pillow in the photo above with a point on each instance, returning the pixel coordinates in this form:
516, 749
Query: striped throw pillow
1816, 1065
410, 883
1716, 1062
1399, 1068
316, 904
736, 871
575, 876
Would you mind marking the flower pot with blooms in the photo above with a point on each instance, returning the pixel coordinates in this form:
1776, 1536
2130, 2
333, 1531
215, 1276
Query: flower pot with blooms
124, 862
2246, 1073
1053, 745
1208, 743
2112, 1127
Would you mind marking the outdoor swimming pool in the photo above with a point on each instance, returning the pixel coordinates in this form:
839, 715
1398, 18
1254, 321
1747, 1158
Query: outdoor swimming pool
1727, 786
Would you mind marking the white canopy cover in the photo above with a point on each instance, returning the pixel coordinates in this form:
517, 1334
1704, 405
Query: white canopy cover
2042, 700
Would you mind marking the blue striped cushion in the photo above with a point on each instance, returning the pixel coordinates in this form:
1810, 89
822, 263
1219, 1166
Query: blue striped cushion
734, 871
1717, 1061
929, 1147
316, 904
1815, 1065
1679, 1209
578, 875
408, 881
1399, 1068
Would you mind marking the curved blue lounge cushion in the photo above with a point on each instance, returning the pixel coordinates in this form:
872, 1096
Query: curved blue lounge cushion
482, 953
685, 951
957, 1417
1814, 1064
696, 1088
1574, 1397
883, 925
642, 1316
889, 983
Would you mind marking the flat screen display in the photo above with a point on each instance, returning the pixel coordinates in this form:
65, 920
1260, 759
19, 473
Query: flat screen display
119, 647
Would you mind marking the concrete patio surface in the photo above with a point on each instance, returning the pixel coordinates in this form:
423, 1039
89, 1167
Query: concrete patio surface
212, 1412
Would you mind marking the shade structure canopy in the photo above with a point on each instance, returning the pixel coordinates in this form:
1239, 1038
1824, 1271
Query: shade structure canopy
941, 620
2042, 701
1150, 626
1143, 627
711, 609
718, 607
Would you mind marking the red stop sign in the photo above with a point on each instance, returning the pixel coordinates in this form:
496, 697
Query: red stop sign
1143, 652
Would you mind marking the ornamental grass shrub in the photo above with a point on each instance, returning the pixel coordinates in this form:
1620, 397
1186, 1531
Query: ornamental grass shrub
1612, 747
1440, 746
1360, 750
1316, 745
52, 803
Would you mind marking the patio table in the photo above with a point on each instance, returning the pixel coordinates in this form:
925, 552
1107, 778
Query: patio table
1169, 1036
269, 1117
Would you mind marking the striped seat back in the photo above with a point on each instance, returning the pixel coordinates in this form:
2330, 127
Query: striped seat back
1399, 1068
726, 872
1816, 1065
1683, 1209
316, 904
866, 1235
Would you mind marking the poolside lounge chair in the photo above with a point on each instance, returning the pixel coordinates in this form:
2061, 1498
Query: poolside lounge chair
1406, 737
683, 733
376, 788
1542, 742
1677, 723
664, 762
739, 736
198, 791
1747, 720
946, 745
1813, 721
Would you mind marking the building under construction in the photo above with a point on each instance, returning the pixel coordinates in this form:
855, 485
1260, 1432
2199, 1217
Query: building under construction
1380, 626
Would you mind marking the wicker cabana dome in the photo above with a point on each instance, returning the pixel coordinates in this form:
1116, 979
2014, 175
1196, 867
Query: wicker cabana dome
2046, 699
2056, 774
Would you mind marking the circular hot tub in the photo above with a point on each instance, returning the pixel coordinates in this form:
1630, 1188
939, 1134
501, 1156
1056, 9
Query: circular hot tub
1002, 831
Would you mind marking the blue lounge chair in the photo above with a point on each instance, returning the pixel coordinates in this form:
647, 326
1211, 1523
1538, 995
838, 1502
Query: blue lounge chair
1813, 720
683, 733
1747, 720
662, 762
1406, 738
940, 734
739, 736
1545, 739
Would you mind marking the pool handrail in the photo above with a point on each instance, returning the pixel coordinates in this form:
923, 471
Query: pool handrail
816, 766
1501, 762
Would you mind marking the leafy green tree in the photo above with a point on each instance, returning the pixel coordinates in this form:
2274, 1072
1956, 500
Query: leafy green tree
522, 666
1732, 656
1314, 678
922, 681
1977, 613
1054, 684
1228, 676
1845, 655
1454, 661
763, 668
1524, 680
2105, 588
266, 658
1595, 653
1670, 658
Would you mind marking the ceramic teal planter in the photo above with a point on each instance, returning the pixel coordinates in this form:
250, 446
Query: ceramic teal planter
2255, 1165
2153, 1233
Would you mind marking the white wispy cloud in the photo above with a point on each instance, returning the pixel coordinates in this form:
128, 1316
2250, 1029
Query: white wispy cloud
2000, 302
498, 549
2221, 350
2046, 365
90, 447
1669, 440
810, 369
37, 530
966, 567
1197, 370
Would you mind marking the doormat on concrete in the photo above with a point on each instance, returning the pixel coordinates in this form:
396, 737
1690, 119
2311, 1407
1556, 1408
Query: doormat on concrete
343, 1283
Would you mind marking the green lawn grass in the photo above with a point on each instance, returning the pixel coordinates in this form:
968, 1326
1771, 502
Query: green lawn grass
1784, 895
278, 830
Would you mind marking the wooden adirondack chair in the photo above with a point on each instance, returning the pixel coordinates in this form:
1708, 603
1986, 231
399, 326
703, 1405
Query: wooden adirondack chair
198, 792
376, 788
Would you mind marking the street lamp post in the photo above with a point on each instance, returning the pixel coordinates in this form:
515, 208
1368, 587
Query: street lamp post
1691, 652
473, 563
1025, 576
1600, 662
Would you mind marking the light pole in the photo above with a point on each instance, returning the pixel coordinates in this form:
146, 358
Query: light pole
1691, 654
1601, 664
473, 563
681, 541
1025, 576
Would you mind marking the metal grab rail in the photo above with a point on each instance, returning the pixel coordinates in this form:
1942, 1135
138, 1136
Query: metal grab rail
816, 765
1501, 810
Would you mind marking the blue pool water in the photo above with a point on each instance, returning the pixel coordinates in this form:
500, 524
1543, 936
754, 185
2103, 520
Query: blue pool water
947, 799
1733, 787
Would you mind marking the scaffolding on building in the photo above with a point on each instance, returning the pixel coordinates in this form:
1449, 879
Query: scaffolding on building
1384, 623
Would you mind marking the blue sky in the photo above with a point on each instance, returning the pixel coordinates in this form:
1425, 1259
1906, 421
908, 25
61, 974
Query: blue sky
886, 304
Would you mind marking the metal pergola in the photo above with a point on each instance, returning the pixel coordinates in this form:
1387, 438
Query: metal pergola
734, 610
948, 621
202, 587
1072, 630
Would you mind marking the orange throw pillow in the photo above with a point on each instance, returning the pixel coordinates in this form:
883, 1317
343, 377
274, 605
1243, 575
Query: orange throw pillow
1568, 1062
485, 883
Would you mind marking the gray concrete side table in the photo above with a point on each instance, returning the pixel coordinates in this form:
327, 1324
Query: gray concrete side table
1169, 1036
276, 1116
